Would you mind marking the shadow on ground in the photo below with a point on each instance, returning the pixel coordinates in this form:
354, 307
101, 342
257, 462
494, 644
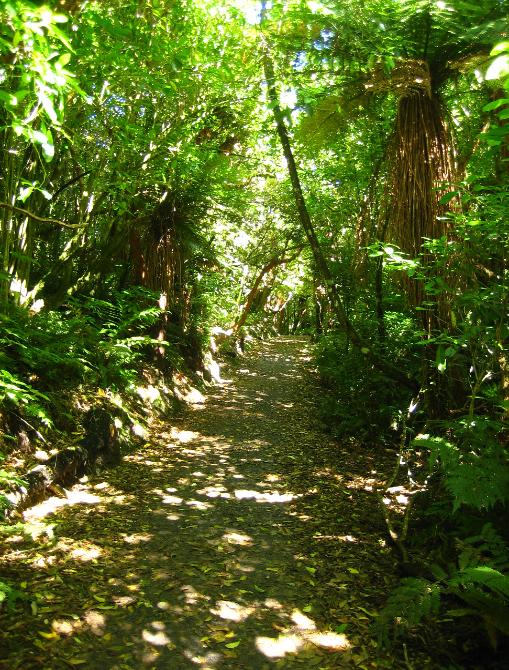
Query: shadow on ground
243, 538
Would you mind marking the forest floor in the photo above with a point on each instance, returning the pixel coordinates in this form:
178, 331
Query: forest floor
241, 537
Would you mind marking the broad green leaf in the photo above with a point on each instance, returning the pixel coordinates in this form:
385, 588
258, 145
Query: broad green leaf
495, 104
499, 48
499, 68
47, 104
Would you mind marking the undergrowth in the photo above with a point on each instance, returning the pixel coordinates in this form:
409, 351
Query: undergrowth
361, 401
58, 363
451, 438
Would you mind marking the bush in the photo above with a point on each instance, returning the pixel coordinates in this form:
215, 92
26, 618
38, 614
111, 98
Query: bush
361, 401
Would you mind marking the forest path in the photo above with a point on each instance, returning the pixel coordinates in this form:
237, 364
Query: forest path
243, 538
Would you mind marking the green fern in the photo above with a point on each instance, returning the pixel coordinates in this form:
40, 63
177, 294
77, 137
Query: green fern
9, 595
487, 592
486, 548
478, 478
479, 482
408, 604
482, 576
484, 589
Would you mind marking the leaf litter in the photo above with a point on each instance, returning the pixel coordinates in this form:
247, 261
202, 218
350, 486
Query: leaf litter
240, 537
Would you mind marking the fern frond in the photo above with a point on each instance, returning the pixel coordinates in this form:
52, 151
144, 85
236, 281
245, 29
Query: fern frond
486, 548
408, 604
479, 482
483, 576
487, 591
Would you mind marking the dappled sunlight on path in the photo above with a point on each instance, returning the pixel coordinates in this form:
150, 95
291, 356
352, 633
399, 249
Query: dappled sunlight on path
234, 541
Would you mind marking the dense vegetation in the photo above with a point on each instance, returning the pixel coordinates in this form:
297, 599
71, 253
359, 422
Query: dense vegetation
327, 168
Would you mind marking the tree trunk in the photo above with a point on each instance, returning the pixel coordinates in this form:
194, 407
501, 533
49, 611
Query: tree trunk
307, 225
304, 217
274, 262
421, 172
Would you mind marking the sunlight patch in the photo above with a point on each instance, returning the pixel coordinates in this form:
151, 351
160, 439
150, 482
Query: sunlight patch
138, 430
272, 478
64, 626
44, 561
172, 500
158, 639
192, 397
102, 486
76, 496
43, 509
37, 529
137, 538
214, 492
275, 497
96, 622
123, 601
207, 662
302, 621
273, 604
277, 647
231, 611
238, 538
183, 436
148, 393
86, 554
192, 596
362, 483
333, 641
198, 504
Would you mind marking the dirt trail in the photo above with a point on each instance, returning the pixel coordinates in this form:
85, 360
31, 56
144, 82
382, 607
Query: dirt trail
245, 538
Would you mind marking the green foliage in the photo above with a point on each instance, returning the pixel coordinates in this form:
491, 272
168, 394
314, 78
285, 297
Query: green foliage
88, 343
482, 577
499, 70
167, 173
6, 478
487, 547
23, 395
408, 604
35, 80
117, 337
9, 595
361, 401
473, 461
479, 579
482, 588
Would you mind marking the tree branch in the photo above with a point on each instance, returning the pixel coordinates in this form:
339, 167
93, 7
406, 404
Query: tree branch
42, 219
70, 183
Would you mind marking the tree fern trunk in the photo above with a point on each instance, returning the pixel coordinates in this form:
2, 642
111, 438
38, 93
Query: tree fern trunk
421, 172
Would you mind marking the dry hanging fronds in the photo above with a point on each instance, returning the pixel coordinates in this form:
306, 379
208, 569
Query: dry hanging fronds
406, 78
